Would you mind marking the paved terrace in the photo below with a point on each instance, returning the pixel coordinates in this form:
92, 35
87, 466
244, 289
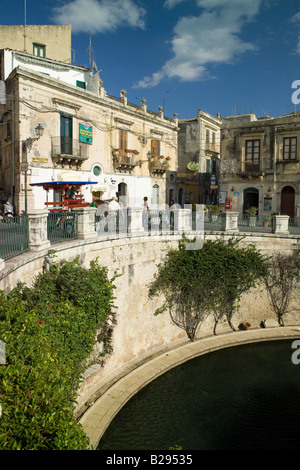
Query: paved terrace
114, 396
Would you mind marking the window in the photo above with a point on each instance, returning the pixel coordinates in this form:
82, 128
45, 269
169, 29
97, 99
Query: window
213, 137
8, 129
97, 170
207, 136
80, 84
155, 148
123, 142
207, 165
289, 148
252, 155
39, 50
66, 134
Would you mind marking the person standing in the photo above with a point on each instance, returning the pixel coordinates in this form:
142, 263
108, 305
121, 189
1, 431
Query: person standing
146, 213
113, 215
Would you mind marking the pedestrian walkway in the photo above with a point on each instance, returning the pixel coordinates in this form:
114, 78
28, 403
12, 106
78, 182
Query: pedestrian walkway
98, 417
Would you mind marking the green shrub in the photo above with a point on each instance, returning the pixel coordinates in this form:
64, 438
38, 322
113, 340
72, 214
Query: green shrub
49, 331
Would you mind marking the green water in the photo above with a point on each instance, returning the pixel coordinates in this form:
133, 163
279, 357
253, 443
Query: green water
245, 397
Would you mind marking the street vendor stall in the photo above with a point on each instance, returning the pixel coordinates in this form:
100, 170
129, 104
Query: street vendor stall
68, 193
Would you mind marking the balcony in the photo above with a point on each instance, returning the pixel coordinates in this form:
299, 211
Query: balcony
158, 165
66, 151
211, 148
124, 160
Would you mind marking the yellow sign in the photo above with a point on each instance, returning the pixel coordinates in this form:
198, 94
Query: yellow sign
40, 159
193, 166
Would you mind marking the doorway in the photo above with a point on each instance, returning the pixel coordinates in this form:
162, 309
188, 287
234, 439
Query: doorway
251, 198
122, 193
287, 206
155, 195
181, 197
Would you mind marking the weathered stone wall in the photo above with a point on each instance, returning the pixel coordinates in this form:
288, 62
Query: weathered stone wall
139, 334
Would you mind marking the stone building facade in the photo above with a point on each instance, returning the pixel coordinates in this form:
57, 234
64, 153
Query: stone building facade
46, 41
260, 163
88, 135
198, 159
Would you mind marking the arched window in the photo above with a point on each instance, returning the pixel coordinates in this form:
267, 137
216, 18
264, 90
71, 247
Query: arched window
155, 194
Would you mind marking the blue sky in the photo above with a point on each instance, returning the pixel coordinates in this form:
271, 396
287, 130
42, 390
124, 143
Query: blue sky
222, 56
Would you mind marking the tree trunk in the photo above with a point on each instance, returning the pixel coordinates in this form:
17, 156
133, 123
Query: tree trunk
230, 324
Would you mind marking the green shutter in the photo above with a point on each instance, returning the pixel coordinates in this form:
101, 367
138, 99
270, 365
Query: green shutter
80, 84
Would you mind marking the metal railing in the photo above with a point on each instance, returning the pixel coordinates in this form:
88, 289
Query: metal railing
294, 226
247, 223
62, 226
14, 236
70, 147
212, 221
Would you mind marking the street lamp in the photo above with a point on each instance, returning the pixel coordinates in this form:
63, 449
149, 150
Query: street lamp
39, 130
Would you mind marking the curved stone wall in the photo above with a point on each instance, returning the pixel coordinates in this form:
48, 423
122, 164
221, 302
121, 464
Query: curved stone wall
138, 334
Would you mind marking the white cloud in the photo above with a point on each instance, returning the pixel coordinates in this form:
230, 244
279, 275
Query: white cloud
210, 38
296, 19
172, 3
99, 16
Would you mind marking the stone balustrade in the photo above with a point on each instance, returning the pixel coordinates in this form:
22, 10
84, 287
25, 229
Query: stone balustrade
183, 221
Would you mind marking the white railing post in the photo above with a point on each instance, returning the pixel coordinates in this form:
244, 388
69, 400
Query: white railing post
137, 222
280, 224
230, 221
37, 226
86, 222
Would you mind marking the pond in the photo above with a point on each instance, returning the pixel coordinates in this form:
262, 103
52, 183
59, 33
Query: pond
243, 397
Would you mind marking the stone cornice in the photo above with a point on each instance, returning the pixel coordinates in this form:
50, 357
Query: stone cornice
91, 97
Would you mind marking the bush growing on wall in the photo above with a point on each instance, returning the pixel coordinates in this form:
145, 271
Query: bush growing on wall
49, 331
209, 281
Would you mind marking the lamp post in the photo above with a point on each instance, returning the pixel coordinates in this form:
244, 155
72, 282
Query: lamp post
39, 130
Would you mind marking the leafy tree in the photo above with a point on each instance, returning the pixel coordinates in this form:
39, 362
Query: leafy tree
282, 280
210, 281
237, 270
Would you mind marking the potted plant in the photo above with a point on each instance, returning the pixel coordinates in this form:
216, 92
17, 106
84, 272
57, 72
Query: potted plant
252, 212
214, 210
265, 222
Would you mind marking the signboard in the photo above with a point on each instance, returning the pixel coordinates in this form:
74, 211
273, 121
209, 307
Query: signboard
222, 197
85, 133
213, 184
236, 193
40, 159
193, 166
24, 152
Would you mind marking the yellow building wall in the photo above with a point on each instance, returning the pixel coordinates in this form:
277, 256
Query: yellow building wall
56, 38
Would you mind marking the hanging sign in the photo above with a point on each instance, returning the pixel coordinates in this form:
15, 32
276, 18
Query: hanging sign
85, 133
213, 184
193, 166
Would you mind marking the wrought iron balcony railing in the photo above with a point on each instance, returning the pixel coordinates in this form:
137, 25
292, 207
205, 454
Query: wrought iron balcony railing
158, 165
68, 151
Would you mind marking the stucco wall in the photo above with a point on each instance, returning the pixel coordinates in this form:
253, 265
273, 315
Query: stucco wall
56, 38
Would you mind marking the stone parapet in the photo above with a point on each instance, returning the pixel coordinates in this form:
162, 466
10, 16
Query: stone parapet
280, 224
86, 223
230, 221
37, 221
